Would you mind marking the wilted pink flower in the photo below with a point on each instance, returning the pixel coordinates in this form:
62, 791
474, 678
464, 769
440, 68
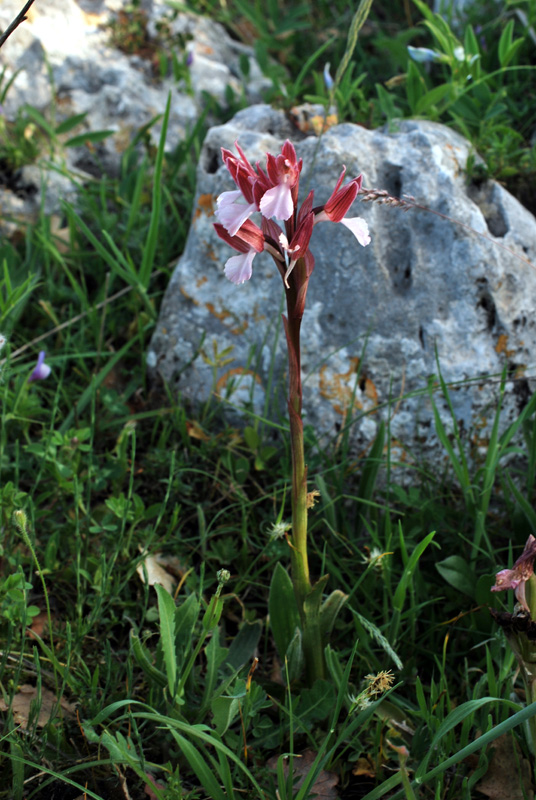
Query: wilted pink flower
41, 370
517, 577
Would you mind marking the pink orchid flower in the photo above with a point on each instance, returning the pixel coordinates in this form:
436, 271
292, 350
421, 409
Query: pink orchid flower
284, 173
274, 193
517, 577
248, 242
339, 203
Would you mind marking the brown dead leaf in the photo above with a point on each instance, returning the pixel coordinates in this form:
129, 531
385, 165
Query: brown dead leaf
195, 431
38, 626
323, 787
20, 705
503, 780
61, 234
155, 573
173, 565
364, 766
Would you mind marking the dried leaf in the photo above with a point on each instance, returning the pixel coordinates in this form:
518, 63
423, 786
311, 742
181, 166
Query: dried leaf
195, 431
20, 705
61, 234
38, 626
364, 766
323, 787
509, 774
155, 573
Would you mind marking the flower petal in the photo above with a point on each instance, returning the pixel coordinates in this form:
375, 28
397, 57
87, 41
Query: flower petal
359, 228
41, 370
238, 269
231, 213
277, 202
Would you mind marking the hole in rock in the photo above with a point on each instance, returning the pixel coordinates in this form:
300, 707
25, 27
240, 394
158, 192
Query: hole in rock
486, 197
211, 160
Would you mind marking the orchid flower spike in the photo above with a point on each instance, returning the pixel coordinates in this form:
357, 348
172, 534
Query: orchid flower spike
41, 370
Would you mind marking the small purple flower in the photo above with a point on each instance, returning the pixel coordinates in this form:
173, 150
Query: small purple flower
423, 55
328, 80
41, 370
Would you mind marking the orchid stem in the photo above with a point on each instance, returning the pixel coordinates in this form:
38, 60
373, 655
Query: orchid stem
312, 639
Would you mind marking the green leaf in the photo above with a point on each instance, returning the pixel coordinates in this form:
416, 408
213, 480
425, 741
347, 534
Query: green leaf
283, 610
400, 594
225, 710
316, 703
434, 96
213, 613
37, 117
330, 610
294, 656
203, 770
456, 571
216, 656
166, 611
90, 136
185, 618
415, 85
70, 123
454, 719
311, 604
505, 43
244, 644
378, 636
483, 595
251, 437
141, 656
149, 251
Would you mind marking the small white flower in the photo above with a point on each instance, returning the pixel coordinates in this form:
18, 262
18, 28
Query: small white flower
279, 529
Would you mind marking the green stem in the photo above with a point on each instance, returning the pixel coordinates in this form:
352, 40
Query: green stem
312, 639
21, 523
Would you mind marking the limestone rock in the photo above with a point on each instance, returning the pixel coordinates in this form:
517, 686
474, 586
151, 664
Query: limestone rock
66, 63
375, 317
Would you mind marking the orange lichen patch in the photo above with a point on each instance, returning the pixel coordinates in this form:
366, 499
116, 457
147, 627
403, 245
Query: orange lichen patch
200, 281
221, 315
312, 123
93, 20
231, 373
188, 296
502, 346
340, 387
398, 454
370, 391
240, 328
257, 316
224, 315
209, 252
205, 205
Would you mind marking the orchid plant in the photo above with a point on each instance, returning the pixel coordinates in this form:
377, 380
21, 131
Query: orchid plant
273, 193
520, 626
